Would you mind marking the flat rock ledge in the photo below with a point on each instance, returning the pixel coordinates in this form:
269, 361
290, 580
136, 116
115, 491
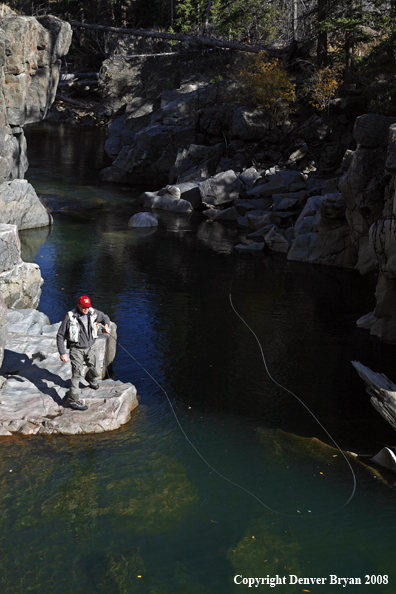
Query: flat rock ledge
34, 383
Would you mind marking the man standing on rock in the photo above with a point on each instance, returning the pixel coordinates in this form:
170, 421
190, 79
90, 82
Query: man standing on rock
79, 328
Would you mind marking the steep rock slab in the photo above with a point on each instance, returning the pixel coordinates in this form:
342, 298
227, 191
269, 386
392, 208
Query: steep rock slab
32, 66
3, 327
330, 241
220, 189
20, 282
382, 392
20, 206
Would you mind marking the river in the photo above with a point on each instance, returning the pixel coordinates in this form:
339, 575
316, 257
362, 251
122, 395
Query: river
235, 486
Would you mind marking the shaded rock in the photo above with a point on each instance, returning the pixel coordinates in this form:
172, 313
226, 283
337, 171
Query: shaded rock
310, 209
390, 163
249, 124
260, 234
287, 204
289, 200
277, 184
220, 189
20, 206
367, 260
243, 206
276, 241
330, 186
251, 247
190, 191
314, 130
143, 219
114, 132
363, 188
249, 176
256, 222
332, 247
367, 321
229, 214
195, 162
371, 130
166, 202
150, 156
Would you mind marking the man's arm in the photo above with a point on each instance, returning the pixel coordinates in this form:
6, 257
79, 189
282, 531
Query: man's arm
60, 338
103, 319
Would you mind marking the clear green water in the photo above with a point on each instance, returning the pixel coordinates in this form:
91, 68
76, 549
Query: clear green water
137, 510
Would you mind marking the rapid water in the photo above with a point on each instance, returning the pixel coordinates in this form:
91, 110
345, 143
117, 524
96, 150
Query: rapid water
137, 510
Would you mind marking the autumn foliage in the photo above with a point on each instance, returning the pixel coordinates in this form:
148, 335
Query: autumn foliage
266, 84
323, 86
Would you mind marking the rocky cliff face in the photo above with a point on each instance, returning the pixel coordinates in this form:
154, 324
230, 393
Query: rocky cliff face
30, 52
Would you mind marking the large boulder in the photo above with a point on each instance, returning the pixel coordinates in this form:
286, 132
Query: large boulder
329, 241
276, 184
195, 162
249, 124
165, 201
20, 282
20, 206
220, 189
150, 156
372, 130
314, 130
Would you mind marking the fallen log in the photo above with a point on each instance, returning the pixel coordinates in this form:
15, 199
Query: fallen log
243, 47
382, 392
80, 104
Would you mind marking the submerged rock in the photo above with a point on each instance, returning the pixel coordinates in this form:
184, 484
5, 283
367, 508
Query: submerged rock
143, 219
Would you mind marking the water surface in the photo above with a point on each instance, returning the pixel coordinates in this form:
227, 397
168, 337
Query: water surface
138, 510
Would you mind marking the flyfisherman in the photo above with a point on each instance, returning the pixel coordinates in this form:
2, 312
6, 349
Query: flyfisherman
79, 329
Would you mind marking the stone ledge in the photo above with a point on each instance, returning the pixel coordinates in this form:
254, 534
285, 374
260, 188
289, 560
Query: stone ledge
34, 383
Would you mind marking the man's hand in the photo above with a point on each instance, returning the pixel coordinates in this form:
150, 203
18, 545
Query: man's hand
63, 358
106, 329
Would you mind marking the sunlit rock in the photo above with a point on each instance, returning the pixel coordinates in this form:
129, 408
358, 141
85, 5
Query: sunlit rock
34, 383
20, 206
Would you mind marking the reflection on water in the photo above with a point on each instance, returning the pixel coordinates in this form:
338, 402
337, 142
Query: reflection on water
137, 510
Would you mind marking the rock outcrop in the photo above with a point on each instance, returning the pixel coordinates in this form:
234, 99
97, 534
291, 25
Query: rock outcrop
20, 282
20, 206
30, 52
34, 382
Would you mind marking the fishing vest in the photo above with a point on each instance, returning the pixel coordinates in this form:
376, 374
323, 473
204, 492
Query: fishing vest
74, 326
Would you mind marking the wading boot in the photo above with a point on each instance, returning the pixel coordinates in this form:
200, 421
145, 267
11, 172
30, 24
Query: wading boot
76, 405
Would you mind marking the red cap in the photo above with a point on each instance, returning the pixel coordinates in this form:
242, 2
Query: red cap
84, 301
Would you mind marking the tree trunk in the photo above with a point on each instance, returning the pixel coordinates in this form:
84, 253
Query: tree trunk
243, 47
207, 18
321, 51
